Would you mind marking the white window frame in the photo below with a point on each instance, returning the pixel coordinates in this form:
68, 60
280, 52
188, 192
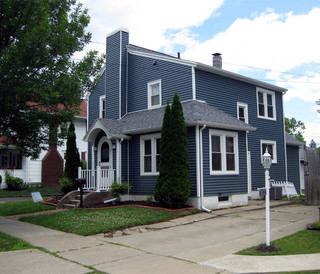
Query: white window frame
274, 149
153, 138
150, 84
102, 101
265, 100
223, 135
245, 106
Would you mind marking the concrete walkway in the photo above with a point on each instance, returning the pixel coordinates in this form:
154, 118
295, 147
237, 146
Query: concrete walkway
200, 243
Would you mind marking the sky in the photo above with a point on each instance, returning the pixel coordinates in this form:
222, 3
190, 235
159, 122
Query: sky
275, 41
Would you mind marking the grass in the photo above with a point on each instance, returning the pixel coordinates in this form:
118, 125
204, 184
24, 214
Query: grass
9, 243
89, 222
22, 207
302, 242
27, 192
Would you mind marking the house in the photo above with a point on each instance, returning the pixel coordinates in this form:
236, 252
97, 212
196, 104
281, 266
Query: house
231, 120
36, 171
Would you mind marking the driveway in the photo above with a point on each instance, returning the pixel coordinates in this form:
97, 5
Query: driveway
202, 243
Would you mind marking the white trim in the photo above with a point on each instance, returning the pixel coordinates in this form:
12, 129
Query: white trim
274, 150
117, 30
120, 75
223, 135
102, 99
118, 147
246, 116
194, 94
152, 138
149, 94
198, 160
161, 57
266, 92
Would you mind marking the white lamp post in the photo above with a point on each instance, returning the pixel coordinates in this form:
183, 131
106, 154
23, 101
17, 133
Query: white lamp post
266, 162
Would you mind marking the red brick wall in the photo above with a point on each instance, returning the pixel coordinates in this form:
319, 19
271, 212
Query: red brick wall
52, 168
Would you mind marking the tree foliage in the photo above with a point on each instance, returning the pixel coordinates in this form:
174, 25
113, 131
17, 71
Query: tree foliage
295, 128
40, 84
173, 186
313, 144
72, 158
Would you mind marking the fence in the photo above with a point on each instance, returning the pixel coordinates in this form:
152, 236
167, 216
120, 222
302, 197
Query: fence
312, 176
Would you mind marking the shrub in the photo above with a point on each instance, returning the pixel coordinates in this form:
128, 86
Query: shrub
118, 189
316, 225
173, 186
67, 185
14, 183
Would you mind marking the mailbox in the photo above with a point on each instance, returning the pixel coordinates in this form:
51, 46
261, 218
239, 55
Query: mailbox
80, 182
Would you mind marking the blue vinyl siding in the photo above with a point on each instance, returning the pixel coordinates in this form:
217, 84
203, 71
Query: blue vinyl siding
94, 99
124, 160
293, 166
224, 93
116, 68
175, 78
144, 185
215, 185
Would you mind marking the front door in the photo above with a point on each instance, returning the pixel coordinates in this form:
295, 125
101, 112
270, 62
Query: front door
105, 153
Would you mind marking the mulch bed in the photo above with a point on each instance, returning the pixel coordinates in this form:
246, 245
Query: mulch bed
264, 248
53, 201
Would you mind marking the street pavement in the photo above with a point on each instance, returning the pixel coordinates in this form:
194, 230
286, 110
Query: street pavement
200, 243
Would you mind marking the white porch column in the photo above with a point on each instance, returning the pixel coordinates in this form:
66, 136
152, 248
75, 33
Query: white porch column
98, 178
118, 166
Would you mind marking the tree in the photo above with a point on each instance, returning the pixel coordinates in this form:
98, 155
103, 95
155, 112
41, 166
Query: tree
40, 85
173, 186
295, 128
72, 158
313, 144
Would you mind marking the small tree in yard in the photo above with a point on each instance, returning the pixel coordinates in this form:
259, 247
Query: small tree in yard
72, 163
173, 186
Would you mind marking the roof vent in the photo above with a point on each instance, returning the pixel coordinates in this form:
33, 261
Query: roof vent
217, 60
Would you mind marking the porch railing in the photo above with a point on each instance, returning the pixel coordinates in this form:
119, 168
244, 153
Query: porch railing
99, 179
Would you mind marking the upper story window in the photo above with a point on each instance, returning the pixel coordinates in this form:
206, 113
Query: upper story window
224, 157
154, 94
102, 106
242, 112
272, 149
266, 104
149, 154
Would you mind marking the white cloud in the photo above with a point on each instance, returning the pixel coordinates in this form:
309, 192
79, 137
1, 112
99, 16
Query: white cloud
147, 20
312, 132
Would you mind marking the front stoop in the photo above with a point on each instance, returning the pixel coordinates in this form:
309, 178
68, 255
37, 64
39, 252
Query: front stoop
90, 197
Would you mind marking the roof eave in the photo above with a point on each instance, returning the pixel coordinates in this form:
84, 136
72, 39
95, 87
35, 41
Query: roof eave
221, 126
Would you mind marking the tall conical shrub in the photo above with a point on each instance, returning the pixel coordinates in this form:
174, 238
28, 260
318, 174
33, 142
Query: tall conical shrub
72, 158
173, 186
165, 155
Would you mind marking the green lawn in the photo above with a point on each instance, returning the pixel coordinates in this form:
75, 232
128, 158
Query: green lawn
302, 242
9, 243
89, 222
22, 207
27, 192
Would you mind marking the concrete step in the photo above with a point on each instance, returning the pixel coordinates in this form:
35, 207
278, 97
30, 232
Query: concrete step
69, 206
76, 201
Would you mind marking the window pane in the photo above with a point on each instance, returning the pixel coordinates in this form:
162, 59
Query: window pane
270, 111
270, 149
147, 163
229, 144
157, 163
241, 114
155, 89
215, 143
216, 161
230, 162
105, 152
155, 100
147, 147
260, 98
269, 99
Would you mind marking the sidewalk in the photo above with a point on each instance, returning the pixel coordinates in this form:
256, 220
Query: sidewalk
160, 248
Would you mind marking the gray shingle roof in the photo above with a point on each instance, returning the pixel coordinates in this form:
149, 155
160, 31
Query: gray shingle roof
195, 113
291, 140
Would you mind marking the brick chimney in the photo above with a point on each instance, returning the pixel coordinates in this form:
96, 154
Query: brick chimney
217, 60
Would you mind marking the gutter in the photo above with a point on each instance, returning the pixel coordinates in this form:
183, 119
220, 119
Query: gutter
201, 172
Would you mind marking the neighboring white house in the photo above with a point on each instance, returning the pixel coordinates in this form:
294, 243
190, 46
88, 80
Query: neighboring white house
31, 170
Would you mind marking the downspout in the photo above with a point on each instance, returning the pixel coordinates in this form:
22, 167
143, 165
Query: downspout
201, 171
